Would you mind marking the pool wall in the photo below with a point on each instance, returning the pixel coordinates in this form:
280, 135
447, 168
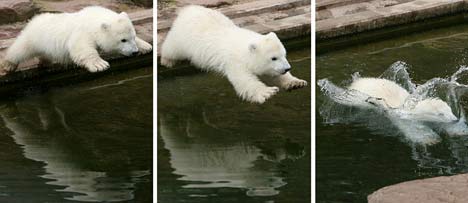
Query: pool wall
344, 23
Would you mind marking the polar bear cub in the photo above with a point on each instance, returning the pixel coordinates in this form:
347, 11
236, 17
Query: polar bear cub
211, 41
389, 95
78, 38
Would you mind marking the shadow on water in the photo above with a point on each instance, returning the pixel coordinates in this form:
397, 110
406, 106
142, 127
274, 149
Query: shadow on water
83, 143
360, 151
214, 147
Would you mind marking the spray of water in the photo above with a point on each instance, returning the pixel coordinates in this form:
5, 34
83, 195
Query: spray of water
419, 130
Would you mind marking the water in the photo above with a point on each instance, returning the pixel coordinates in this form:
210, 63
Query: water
212, 147
87, 142
360, 151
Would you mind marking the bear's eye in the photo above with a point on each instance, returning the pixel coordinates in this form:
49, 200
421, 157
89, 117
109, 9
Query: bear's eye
123, 40
273, 58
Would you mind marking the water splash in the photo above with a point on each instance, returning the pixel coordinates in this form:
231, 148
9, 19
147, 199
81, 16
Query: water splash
420, 131
416, 127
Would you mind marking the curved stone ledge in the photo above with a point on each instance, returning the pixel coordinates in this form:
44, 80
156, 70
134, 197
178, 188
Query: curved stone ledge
453, 189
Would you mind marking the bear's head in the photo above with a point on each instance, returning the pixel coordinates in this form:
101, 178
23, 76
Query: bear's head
434, 110
118, 36
269, 55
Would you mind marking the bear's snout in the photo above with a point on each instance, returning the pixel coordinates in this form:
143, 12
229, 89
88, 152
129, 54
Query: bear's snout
134, 53
286, 67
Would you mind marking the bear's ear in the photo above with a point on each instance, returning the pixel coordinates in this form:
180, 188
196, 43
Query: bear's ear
252, 47
123, 14
105, 26
271, 35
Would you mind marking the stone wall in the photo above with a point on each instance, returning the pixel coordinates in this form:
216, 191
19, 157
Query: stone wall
16, 10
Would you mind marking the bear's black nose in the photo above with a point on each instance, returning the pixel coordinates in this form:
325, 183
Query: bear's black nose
286, 70
134, 53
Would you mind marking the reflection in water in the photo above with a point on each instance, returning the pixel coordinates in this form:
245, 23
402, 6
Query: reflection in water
197, 155
348, 106
41, 129
214, 148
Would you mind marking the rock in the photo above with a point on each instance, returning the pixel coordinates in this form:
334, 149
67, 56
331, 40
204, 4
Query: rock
453, 189
16, 10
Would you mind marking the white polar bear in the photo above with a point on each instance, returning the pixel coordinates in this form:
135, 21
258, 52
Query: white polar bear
389, 95
78, 38
211, 41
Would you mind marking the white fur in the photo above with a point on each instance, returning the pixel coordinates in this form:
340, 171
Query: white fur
78, 38
388, 94
393, 94
434, 109
211, 41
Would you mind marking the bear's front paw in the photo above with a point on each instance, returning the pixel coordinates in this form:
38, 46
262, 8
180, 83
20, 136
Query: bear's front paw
97, 65
145, 48
295, 84
263, 94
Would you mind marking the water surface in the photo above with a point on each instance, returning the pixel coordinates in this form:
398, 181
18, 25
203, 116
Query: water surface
86, 142
213, 147
356, 158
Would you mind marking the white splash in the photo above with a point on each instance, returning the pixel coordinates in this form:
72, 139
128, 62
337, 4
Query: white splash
413, 119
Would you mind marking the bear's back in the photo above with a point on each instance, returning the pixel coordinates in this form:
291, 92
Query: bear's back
202, 18
393, 93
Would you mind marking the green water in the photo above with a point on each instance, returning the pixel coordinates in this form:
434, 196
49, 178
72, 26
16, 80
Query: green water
213, 147
86, 142
354, 160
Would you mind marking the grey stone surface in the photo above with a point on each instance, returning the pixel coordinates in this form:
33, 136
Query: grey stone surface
16, 10
445, 189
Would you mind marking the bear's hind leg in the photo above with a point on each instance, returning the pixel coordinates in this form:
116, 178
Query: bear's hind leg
18, 52
169, 52
167, 62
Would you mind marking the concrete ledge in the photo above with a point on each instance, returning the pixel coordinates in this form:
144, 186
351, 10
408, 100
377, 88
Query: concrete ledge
33, 70
340, 22
326, 45
443, 189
